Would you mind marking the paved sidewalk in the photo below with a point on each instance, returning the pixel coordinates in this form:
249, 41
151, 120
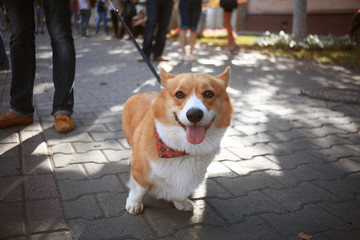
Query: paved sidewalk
287, 165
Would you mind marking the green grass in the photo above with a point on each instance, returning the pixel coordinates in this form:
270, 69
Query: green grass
349, 57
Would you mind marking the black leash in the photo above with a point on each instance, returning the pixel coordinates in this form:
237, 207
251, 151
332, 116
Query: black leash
146, 59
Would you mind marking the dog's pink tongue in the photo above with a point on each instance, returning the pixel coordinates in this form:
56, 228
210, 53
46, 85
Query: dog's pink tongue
195, 134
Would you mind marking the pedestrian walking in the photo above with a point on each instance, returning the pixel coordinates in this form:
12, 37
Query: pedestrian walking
101, 10
85, 12
158, 16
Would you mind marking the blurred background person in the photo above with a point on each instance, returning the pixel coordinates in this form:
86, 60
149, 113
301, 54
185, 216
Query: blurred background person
101, 17
228, 7
190, 11
75, 15
115, 4
85, 12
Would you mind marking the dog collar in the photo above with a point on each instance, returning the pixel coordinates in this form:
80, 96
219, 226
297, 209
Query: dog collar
165, 151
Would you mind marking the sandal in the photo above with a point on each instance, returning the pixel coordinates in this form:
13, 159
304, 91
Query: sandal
11, 119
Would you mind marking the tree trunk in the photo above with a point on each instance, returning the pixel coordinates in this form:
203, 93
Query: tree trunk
299, 28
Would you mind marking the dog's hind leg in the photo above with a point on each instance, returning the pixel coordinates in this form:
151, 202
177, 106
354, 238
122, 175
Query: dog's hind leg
185, 205
134, 202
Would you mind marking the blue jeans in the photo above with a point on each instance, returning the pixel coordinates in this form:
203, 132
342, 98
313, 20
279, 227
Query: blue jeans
22, 51
101, 17
4, 61
85, 17
158, 13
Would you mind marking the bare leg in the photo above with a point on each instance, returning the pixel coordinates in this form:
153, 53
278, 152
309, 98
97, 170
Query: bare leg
227, 25
182, 39
192, 41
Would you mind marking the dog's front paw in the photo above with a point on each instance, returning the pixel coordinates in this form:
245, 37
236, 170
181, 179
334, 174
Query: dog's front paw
134, 207
186, 205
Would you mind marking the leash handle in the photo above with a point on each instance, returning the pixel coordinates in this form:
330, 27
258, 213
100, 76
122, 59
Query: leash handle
146, 59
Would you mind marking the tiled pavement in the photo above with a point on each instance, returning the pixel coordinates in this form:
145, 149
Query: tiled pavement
287, 165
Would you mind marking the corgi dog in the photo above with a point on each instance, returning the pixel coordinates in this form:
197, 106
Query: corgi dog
174, 136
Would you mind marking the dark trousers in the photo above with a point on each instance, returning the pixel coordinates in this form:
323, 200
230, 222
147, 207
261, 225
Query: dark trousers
158, 14
22, 51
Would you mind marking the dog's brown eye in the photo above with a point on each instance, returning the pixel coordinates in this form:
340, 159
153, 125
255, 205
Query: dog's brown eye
179, 95
208, 94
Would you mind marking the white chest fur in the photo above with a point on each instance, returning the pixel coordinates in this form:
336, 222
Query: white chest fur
177, 178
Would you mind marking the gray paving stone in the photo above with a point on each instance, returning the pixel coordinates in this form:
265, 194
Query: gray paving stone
36, 165
292, 146
224, 154
73, 171
167, 222
324, 131
12, 219
85, 147
294, 199
311, 220
299, 158
9, 137
344, 188
244, 167
112, 204
237, 209
63, 148
71, 189
83, 207
117, 155
99, 136
11, 188
49, 218
252, 229
337, 152
218, 169
211, 188
54, 138
293, 177
9, 150
342, 235
40, 187
96, 170
61, 160
346, 211
10, 166
252, 151
62, 235
111, 228
243, 185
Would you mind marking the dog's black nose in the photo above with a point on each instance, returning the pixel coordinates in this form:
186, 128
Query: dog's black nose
194, 115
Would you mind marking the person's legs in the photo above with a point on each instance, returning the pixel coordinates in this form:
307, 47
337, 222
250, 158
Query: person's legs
98, 21
164, 14
58, 18
152, 12
106, 29
22, 51
85, 17
184, 25
192, 41
4, 61
114, 19
227, 25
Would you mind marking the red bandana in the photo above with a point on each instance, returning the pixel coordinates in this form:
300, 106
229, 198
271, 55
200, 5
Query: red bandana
164, 151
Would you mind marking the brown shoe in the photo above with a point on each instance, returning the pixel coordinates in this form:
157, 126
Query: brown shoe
159, 59
11, 119
141, 59
63, 123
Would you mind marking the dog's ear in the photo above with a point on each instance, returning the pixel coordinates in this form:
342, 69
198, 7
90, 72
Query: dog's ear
165, 76
225, 76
